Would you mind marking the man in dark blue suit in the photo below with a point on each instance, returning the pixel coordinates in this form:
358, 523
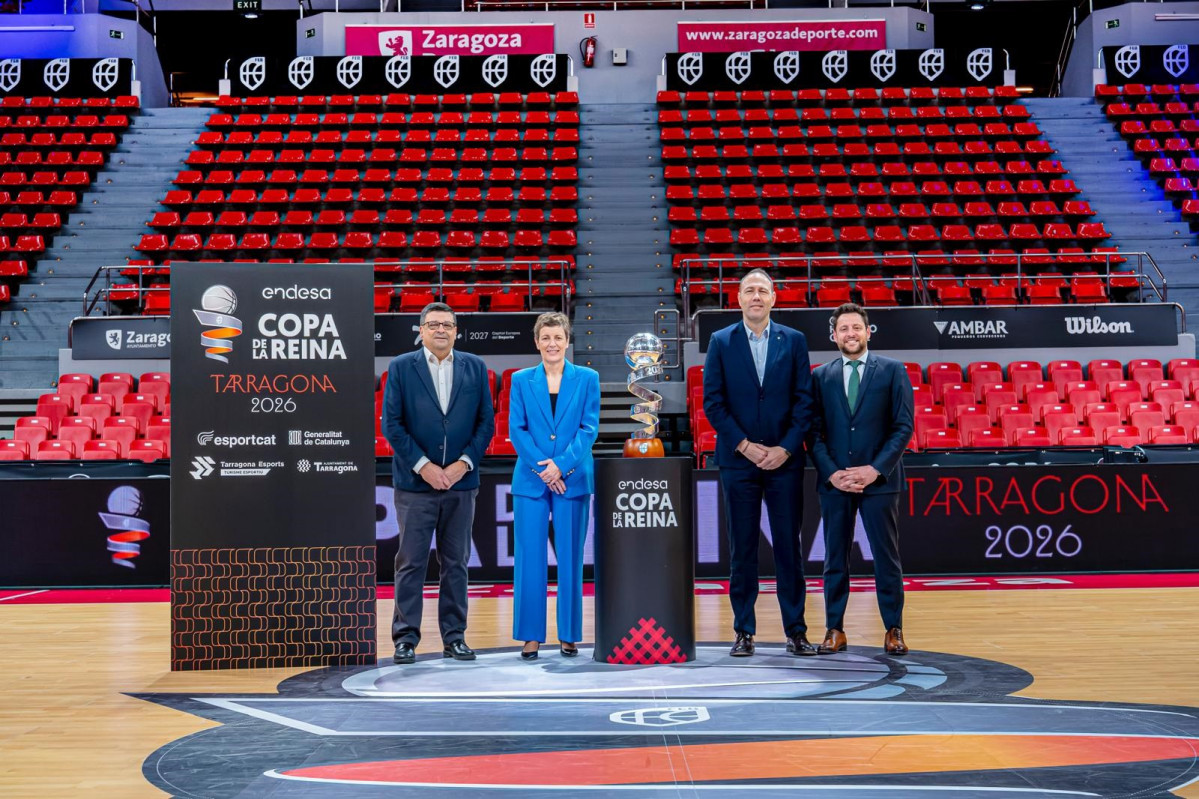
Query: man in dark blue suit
438, 417
758, 397
863, 424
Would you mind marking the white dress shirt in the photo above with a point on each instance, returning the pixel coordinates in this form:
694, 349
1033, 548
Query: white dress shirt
442, 373
846, 370
758, 348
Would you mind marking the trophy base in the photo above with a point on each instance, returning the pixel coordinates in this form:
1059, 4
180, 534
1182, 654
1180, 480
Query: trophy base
644, 448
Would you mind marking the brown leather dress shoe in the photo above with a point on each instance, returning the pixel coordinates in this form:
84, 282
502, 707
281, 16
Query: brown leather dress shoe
800, 645
743, 647
834, 641
893, 642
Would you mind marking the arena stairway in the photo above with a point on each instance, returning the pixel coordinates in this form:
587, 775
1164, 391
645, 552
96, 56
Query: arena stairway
100, 232
1125, 198
623, 274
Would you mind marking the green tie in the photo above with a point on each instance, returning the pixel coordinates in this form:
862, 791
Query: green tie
855, 380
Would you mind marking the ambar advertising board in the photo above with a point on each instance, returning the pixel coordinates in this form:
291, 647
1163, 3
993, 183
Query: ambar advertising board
1115, 325
519, 39
272, 470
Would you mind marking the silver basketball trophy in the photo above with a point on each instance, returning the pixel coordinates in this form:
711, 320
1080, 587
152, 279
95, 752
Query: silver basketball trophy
643, 353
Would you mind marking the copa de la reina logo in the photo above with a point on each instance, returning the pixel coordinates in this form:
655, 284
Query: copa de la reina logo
217, 305
290, 336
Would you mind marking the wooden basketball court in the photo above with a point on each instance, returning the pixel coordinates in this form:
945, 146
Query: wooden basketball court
68, 725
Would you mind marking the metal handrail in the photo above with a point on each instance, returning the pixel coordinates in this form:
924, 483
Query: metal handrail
677, 340
92, 299
920, 282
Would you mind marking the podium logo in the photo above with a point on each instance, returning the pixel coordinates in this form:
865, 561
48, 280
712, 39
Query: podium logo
661, 716
218, 304
644, 503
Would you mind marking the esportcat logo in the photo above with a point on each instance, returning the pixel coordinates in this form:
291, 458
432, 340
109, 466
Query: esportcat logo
218, 304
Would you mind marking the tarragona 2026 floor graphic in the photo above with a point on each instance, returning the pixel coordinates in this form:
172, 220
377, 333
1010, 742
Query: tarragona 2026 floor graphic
856, 724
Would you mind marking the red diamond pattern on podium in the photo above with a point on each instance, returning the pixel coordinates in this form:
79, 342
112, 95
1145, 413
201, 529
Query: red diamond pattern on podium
646, 644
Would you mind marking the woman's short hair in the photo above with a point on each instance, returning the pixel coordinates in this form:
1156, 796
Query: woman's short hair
552, 319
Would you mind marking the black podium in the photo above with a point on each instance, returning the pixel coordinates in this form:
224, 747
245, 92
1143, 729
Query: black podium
644, 561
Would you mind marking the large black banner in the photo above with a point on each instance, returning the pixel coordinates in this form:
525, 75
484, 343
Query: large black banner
66, 77
481, 334
1150, 63
1016, 327
953, 520
272, 465
795, 69
102, 338
356, 74
85, 532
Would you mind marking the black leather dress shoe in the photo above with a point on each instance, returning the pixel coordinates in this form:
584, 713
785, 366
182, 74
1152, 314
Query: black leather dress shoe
405, 653
568, 650
527, 654
458, 651
743, 647
800, 645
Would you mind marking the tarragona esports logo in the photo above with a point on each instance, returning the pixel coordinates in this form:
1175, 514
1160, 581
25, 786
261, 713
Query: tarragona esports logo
217, 305
856, 724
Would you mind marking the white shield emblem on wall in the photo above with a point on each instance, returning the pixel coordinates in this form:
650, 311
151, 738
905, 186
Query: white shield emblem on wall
495, 69
882, 65
398, 70
57, 73
835, 65
349, 71
980, 62
445, 70
1128, 60
10, 74
931, 63
300, 72
1176, 59
690, 67
544, 69
253, 72
104, 73
737, 66
786, 66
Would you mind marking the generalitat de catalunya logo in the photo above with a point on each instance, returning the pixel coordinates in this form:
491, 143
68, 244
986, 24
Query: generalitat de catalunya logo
218, 304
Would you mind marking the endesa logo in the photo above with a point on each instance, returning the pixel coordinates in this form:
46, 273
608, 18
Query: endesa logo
297, 293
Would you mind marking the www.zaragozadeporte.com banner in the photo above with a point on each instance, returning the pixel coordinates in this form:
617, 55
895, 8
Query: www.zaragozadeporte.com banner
272, 468
775, 35
518, 39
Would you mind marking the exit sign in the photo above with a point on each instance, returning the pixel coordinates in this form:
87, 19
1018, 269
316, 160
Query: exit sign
920, 26
244, 6
1112, 23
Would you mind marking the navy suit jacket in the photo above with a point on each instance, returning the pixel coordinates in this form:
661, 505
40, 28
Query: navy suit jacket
415, 426
776, 413
566, 435
875, 433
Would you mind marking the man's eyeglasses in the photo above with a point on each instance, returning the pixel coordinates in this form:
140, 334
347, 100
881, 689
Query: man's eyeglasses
440, 325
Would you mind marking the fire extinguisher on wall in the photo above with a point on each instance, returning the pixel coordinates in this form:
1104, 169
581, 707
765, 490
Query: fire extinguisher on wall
587, 50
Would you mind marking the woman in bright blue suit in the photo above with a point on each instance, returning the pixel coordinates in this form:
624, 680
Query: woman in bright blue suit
553, 419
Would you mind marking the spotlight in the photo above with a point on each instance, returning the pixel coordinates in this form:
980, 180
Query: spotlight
979, 5
250, 15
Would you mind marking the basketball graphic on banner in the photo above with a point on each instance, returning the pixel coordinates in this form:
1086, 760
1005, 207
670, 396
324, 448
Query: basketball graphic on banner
691, 67
301, 71
786, 66
398, 70
835, 65
57, 73
932, 63
1128, 60
104, 74
979, 63
10, 74
253, 72
737, 67
882, 65
495, 69
1177, 59
543, 70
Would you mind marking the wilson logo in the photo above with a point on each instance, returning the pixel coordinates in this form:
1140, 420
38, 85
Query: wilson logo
1081, 325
